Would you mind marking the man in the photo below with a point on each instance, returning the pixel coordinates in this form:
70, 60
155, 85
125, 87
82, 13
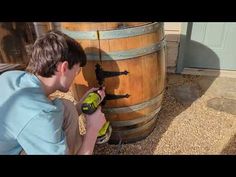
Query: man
31, 123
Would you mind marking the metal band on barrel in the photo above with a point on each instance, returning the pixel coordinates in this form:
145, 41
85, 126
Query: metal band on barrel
113, 34
133, 108
121, 55
127, 130
135, 121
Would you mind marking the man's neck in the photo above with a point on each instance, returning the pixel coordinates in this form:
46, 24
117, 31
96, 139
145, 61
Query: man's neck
49, 84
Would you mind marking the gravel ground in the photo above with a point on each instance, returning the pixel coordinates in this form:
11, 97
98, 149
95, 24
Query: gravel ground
184, 126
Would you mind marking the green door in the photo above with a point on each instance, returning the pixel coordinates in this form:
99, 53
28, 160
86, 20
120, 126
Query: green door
210, 45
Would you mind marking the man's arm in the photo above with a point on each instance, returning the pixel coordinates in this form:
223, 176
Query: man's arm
94, 123
101, 92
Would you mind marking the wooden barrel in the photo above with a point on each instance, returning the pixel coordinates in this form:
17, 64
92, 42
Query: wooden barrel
131, 57
42, 28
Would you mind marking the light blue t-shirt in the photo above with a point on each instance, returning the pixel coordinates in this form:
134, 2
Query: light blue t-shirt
28, 119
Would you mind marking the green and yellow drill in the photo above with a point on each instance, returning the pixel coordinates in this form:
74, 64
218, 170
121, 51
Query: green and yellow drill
89, 106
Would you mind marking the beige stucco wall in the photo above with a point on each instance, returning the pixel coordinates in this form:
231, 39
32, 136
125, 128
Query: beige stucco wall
172, 32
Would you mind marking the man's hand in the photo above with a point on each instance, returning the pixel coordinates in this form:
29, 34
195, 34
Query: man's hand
94, 123
101, 92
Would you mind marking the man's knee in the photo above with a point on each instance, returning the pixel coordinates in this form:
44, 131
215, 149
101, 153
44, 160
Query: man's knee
67, 102
69, 106
70, 113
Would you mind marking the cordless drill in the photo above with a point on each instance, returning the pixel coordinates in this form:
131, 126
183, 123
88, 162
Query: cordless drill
89, 106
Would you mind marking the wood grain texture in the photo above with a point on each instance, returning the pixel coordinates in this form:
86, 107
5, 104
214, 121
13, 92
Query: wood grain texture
146, 78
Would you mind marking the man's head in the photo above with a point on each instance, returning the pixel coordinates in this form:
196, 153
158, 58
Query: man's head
57, 55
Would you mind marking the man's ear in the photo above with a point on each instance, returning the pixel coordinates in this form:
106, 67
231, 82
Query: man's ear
62, 67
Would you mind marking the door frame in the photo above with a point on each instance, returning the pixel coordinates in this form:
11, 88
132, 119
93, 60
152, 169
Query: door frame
185, 37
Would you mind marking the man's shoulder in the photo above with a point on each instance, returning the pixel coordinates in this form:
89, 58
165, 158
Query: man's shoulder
11, 74
32, 98
14, 80
22, 88
22, 93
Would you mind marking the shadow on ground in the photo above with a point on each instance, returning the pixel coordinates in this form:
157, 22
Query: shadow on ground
181, 92
230, 148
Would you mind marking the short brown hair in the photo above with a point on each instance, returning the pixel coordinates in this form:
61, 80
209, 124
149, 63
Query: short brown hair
52, 48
